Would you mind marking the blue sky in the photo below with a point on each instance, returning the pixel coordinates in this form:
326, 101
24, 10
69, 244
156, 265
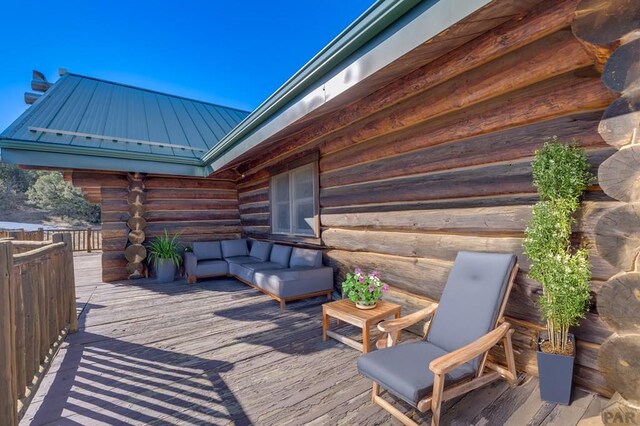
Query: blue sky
232, 53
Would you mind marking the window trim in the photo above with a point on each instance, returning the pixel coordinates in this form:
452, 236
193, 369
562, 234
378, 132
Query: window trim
290, 171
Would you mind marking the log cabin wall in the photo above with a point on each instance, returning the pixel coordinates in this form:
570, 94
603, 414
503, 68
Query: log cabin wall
197, 209
439, 161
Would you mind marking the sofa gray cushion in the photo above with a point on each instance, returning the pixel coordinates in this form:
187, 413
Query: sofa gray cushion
246, 271
261, 250
242, 259
404, 369
471, 299
207, 250
294, 282
280, 254
212, 268
305, 257
231, 248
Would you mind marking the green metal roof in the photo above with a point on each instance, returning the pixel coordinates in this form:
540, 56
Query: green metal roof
82, 115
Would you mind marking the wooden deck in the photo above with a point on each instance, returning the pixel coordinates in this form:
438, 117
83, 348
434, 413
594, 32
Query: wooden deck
222, 353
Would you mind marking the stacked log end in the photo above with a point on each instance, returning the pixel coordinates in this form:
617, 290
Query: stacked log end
615, 26
136, 253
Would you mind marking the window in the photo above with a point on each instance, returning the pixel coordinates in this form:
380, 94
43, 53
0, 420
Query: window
294, 202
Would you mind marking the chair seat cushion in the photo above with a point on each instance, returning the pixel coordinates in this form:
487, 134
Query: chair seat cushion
242, 259
212, 268
245, 271
294, 282
404, 369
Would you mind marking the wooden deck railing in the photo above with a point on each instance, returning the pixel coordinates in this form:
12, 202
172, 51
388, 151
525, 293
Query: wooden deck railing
37, 310
83, 239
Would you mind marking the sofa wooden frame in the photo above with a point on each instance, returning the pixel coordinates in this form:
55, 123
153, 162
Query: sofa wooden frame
486, 372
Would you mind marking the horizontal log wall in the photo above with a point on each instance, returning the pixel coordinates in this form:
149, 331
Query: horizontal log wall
439, 161
197, 209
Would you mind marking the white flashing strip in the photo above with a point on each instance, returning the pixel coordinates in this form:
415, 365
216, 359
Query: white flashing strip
115, 139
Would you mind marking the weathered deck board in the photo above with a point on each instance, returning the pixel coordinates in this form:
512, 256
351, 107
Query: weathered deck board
221, 353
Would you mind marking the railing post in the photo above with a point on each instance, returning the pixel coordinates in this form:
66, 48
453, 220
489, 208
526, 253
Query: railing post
88, 237
40, 234
8, 384
69, 278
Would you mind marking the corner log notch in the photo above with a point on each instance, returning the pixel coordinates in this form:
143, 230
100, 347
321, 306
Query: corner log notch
135, 252
614, 26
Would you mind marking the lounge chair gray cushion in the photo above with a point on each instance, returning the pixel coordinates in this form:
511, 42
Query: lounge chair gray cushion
280, 255
231, 248
245, 271
242, 259
305, 257
261, 250
207, 250
294, 282
404, 369
471, 299
212, 268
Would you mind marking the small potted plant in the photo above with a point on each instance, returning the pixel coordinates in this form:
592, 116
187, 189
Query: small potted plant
166, 253
561, 174
364, 289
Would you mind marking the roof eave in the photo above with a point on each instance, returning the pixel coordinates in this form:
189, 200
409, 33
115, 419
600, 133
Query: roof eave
279, 111
378, 17
35, 154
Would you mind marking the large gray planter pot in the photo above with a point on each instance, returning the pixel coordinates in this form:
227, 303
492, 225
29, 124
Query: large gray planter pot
555, 374
165, 270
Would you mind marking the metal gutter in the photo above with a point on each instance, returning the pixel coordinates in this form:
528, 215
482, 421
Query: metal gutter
375, 19
80, 161
25, 145
384, 33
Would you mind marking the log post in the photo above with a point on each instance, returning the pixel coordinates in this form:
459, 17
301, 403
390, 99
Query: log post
88, 238
69, 278
135, 252
8, 383
610, 28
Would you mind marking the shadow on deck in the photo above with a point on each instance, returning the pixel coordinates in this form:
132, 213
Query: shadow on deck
221, 353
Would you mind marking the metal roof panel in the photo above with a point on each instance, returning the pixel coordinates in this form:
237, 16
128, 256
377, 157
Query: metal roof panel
85, 112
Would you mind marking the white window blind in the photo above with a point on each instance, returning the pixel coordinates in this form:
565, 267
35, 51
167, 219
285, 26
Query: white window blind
293, 202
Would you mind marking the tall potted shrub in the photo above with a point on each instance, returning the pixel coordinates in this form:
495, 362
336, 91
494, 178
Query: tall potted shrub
165, 253
560, 174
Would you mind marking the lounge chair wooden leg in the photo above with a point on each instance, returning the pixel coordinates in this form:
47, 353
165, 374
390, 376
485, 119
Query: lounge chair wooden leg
508, 353
436, 399
378, 400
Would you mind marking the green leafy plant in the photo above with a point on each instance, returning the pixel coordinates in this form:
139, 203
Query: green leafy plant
166, 247
561, 175
364, 288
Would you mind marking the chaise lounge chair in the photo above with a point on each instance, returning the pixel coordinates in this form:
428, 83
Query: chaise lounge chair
452, 358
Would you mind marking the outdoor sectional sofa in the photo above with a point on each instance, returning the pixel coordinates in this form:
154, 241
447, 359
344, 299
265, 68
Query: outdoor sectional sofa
282, 272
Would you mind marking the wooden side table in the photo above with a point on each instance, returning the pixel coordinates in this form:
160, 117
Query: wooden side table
345, 310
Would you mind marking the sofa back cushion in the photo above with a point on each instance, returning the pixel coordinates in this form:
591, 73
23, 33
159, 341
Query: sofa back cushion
231, 248
280, 254
207, 250
305, 257
261, 250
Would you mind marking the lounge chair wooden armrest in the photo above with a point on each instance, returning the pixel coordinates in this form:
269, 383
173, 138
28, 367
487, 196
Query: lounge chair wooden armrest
396, 325
455, 359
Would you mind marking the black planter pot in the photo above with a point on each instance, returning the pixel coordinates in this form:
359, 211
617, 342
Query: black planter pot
555, 374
